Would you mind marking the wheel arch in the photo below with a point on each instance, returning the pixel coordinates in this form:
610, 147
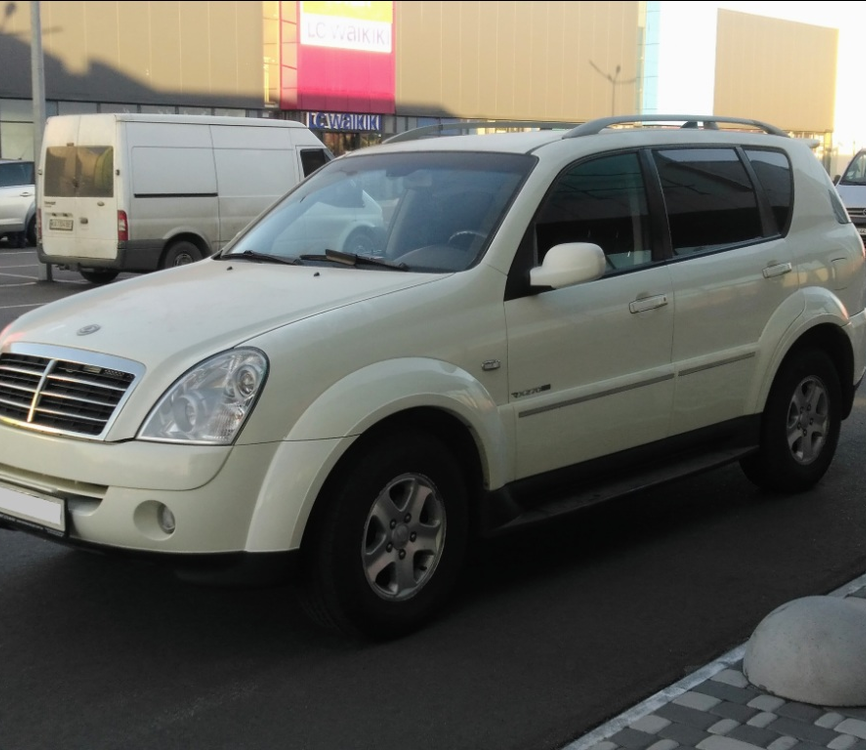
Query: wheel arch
454, 434
820, 323
829, 338
185, 236
453, 407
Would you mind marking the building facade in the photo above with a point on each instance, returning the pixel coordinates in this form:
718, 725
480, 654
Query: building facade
356, 72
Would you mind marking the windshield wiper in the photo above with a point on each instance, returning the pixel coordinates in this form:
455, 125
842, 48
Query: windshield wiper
353, 259
257, 256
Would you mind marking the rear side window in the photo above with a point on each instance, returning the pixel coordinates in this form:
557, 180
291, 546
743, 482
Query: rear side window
776, 178
79, 172
711, 202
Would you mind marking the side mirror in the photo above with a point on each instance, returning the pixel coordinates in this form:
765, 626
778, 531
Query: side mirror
568, 264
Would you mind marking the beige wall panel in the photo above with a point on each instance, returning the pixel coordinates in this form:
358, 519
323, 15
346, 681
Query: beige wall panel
195, 53
64, 34
777, 71
518, 60
135, 43
195, 29
230, 32
101, 38
164, 44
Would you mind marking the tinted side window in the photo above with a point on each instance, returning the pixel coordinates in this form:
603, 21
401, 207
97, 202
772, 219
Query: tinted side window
602, 201
312, 159
710, 199
774, 173
16, 173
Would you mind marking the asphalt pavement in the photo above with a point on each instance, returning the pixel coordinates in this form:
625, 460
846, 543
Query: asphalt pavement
717, 708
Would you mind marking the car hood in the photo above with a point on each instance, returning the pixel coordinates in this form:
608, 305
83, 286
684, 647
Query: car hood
853, 196
200, 309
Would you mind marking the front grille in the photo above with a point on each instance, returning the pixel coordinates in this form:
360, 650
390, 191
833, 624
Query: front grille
857, 212
60, 394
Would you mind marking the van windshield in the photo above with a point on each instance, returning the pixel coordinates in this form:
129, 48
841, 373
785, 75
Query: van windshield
79, 172
855, 174
431, 212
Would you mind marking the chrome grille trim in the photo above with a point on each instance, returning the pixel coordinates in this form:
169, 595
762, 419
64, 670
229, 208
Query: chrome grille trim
62, 390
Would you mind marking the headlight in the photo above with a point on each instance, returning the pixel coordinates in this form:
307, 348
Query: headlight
211, 402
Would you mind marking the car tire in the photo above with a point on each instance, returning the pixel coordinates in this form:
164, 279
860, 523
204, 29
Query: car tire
98, 275
180, 254
30, 234
800, 425
387, 541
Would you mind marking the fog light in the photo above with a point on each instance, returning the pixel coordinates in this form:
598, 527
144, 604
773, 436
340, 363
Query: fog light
165, 519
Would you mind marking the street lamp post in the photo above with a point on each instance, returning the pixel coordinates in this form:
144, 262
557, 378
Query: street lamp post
614, 82
37, 77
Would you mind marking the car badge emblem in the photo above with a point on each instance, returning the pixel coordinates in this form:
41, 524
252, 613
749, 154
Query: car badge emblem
87, 330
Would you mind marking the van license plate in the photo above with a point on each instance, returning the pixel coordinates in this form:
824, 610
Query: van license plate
40, 511
862, 231
64, 225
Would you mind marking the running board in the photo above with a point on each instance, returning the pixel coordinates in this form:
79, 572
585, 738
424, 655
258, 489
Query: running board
503, 512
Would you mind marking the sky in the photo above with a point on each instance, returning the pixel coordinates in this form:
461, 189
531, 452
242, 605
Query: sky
687, 58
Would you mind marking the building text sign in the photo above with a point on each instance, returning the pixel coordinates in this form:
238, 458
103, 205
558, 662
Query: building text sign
364, 26
343, 121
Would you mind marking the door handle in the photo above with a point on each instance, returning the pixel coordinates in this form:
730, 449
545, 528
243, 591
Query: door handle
648, 303
777, 269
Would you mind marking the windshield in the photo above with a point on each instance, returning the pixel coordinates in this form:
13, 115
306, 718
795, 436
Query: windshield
428, 212
855, 174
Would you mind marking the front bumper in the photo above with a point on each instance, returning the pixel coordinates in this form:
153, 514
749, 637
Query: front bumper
224, 500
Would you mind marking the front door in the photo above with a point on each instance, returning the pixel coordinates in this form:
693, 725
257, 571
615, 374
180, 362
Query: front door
589, 365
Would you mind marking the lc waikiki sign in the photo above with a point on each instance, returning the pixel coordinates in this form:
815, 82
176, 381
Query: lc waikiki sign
362, 26
338, 57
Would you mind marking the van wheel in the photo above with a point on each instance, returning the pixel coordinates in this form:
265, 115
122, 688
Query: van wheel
181, 254
98, 275
800, 426
30, 234
386, 546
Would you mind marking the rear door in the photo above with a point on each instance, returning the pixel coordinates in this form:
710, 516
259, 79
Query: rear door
731, 270
79, 205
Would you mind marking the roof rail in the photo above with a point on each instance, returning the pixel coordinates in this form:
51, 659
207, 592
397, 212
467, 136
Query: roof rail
706, 122
474, 125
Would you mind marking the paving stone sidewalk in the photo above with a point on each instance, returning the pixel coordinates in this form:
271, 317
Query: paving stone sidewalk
717, 708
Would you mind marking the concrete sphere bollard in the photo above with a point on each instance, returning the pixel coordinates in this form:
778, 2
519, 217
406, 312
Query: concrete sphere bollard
811, 650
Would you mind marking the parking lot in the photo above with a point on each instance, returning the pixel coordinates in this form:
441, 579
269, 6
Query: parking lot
26, 284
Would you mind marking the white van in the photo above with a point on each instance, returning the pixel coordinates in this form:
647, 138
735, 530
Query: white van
136, 192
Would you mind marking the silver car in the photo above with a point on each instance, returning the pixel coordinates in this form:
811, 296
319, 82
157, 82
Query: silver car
17, 202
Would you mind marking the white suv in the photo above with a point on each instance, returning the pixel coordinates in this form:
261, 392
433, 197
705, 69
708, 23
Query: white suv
538, 321
17, 202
